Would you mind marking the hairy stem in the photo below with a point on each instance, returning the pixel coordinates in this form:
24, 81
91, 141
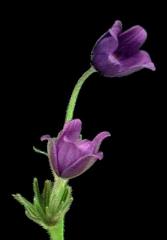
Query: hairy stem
75, 93
57, 232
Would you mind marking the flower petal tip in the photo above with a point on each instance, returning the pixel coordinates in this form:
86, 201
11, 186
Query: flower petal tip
150, 66
99, 155
75, 123
45, 137
116, 28
118, 22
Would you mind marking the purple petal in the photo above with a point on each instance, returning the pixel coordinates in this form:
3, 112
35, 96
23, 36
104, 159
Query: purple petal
72, 129
108, 42
116, 29
107, 64
106, 46
98, 140
67, 153
137, 62
84, 146
80, 166
52, 154
45, 137
102, 54
112, 33
130, 41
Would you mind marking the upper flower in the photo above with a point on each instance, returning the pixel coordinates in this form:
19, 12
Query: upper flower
118, 53
69, 155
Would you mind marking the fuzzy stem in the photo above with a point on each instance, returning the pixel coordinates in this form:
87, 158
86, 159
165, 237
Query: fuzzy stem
57, 232
75, 93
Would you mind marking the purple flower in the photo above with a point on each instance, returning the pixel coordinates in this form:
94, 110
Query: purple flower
118, 53
69, 155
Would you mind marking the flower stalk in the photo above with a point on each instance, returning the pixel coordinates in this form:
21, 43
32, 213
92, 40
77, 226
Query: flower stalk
75, 93
57, 232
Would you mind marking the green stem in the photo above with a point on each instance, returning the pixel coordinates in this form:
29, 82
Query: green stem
57, 232
75, 93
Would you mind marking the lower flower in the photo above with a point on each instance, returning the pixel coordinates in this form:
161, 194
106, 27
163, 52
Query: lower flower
69, 155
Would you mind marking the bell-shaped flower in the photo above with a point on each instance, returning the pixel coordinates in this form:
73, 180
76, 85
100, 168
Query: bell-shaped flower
118, 53
69, 155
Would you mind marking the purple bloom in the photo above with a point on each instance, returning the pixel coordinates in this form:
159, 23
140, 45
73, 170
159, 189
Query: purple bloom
118, 53
69, 155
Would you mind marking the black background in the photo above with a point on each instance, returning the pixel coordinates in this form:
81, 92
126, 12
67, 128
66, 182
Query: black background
46, 49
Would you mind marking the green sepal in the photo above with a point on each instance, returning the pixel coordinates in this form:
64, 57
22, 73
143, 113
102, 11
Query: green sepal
38, 203
35, 219
65, 204
27, 205
60, 200
50, 205
56, 196
47, 190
